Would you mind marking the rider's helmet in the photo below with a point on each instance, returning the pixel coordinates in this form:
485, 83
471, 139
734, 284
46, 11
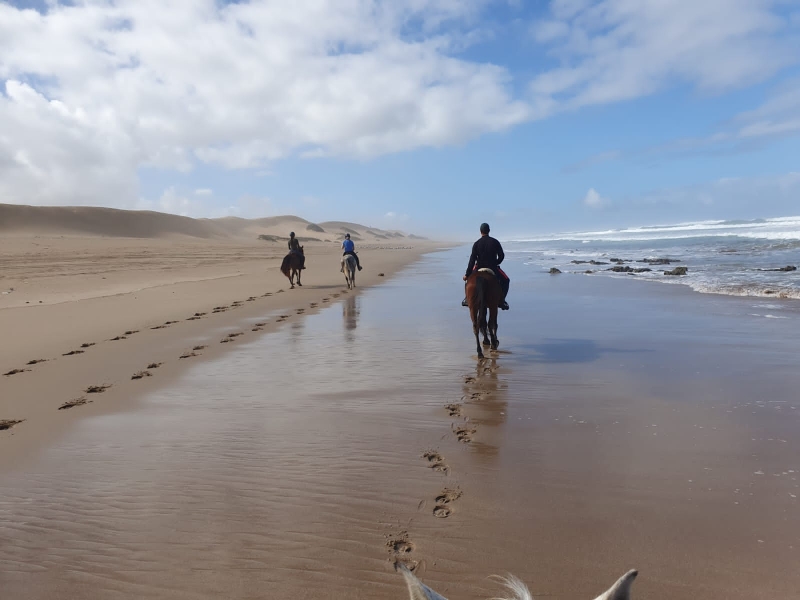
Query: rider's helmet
291, 234
347, 236
484, 228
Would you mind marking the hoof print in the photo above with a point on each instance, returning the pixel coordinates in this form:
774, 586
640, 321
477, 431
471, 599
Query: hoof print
9, 423
36, 361
153, 365
141, 375
73, 352
97, 389
87, 345
72, 403
15, 371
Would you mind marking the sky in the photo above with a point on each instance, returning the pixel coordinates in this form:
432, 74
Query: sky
428, 116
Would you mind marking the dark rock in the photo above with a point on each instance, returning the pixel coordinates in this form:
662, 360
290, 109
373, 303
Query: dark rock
579, 262
782, 269
619, 269
658, 261
617, 260
554, 271
643, 270
588, 272
677, 271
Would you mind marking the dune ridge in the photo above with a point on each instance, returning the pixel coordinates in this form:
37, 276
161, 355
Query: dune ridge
91, 221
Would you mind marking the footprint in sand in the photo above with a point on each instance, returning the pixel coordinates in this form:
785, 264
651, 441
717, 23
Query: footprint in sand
261, 324
97, 389
469, 379
313, 305
73, 352
159, 327
87, 344
454, 410
251, 298
464, 433
153, 365
170, 322
187, 355
131, 332
196, 348
267, 295
279, 292
300, 311
436, 461
9, 423
119, 337
442, 510
15, 372
192, 319
77, 402
36, 361
141, 375
257, 329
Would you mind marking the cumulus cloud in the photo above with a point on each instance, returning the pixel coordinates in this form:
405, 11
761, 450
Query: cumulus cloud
93, 90
592, 199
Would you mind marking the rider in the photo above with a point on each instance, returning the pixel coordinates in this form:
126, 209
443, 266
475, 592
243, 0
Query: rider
350, 248
294, 248
487, 253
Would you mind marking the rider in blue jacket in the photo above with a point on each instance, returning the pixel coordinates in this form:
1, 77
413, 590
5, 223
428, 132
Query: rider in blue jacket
350, 248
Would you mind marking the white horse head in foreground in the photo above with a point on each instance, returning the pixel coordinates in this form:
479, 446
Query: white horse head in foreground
517, 590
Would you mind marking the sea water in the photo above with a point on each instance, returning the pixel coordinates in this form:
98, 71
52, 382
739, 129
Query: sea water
723, 257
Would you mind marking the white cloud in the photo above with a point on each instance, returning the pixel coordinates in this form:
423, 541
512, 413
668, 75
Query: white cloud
96, 90
203, 192
616, 50
593, 199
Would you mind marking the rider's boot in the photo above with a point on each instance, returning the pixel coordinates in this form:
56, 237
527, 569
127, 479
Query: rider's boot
504, 305
464, 302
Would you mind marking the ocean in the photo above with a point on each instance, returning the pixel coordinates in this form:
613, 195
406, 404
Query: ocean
738, 258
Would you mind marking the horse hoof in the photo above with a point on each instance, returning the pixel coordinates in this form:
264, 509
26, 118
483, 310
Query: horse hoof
486, 343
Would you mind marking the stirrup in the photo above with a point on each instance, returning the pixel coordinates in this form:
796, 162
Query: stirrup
464, 302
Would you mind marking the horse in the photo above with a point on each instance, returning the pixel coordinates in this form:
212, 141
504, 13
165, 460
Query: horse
349, 270
484, 295
621, 590
293, 263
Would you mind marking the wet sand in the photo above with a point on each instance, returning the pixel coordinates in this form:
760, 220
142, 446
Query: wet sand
621, 426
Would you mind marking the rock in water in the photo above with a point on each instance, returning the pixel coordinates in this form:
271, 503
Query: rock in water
677, 271
554, 271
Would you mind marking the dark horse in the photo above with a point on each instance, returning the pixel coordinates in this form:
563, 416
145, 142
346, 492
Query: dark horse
292, 265
483, 296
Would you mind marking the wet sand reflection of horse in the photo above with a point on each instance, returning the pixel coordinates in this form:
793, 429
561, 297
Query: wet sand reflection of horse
483, 297
292, 265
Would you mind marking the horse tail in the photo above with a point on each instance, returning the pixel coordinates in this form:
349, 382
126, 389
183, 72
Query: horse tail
285, 265
480, 290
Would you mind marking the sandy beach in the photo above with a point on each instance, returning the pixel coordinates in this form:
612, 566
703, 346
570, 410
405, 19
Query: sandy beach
622, 425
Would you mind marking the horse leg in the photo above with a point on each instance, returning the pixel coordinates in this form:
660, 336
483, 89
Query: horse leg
493, 327
475, 331
299, 271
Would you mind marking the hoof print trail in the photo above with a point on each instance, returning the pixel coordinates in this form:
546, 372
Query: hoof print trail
159, 327
448, 495
188, 355
132, 332
196, 348
400, 544
77, 402
36, 361
251, 298
454, 410
153, 365
97, 389
73, 352
87, 345
119, 337
9, 423
15, 371
436, 461
169, 322
464, 433
141, 375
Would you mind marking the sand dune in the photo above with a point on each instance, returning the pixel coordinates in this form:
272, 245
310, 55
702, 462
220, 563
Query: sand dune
85, 221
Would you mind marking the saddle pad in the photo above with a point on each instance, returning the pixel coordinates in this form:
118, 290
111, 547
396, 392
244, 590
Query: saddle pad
487, 270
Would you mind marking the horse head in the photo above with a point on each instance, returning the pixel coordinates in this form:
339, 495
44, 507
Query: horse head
621, 590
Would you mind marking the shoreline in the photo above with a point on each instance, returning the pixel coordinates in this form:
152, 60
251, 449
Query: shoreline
116, 335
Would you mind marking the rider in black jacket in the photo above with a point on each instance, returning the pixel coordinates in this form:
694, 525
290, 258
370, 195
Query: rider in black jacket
487, 253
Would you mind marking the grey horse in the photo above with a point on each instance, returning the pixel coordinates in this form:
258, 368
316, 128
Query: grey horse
516, 590
349, 270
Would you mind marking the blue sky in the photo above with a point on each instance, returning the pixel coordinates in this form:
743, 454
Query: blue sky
422, 115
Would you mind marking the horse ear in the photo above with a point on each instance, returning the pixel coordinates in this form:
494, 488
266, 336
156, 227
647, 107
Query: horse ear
621, 590
416, 589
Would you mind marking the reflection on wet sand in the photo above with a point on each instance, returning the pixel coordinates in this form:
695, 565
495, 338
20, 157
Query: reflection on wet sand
350, 312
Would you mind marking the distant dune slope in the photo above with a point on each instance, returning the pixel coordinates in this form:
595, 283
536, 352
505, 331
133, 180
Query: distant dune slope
112, 222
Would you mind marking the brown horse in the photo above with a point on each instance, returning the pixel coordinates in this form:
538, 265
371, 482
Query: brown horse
293, 263
483, 296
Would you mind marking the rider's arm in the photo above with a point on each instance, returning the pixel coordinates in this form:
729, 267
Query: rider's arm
500, 254
473, 258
